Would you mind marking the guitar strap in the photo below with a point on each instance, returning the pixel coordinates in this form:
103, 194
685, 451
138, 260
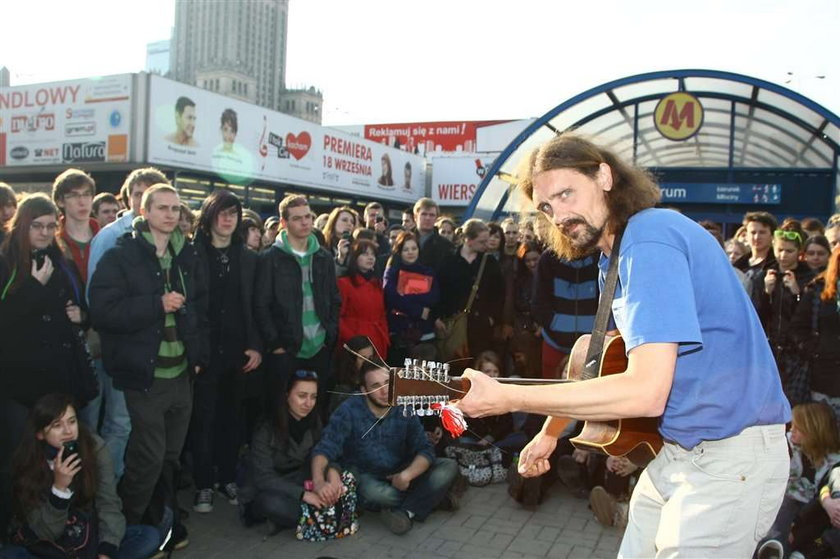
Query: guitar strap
602, 316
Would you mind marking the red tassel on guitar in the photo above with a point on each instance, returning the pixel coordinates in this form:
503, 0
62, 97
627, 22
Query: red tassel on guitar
452, 419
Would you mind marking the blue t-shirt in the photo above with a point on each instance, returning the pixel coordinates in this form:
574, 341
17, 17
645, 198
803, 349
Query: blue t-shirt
677, 285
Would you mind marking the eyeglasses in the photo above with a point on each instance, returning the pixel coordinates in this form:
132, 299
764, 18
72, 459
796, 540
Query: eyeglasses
303, 374
78, 195
40, 227
788, 235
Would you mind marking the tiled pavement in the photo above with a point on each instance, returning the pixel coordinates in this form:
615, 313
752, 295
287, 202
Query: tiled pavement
489, 524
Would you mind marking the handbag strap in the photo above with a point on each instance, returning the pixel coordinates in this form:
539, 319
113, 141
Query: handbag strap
602, 316
474, 289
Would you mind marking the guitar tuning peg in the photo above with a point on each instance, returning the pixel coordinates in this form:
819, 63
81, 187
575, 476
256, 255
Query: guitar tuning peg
406, 411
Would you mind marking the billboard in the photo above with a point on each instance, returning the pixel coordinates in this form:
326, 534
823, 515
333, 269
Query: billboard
456, 178
197, 129
428, 137
72, 122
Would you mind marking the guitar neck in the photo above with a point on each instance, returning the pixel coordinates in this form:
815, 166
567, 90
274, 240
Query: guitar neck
452, 388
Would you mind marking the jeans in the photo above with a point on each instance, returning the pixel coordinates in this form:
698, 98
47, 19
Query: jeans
139, 542
717, 499
423, 495
276, 505
216, 429
116, 423
160, 416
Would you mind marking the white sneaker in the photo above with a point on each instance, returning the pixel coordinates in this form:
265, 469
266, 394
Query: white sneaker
771, 549
203, 501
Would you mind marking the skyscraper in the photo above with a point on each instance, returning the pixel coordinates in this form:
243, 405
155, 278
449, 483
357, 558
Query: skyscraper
235, 48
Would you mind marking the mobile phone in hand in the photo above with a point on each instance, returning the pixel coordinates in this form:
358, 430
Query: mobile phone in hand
71, 448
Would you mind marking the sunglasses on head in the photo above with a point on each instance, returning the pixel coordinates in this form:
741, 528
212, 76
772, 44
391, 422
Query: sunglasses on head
303, 374
788, 235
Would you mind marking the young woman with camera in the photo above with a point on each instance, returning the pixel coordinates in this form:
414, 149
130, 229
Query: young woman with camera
65, 496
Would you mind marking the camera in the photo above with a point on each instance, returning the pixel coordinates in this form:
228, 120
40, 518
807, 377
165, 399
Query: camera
71, 448
346, 235
379, 219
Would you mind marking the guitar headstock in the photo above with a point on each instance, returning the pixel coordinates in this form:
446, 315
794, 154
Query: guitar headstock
422, 387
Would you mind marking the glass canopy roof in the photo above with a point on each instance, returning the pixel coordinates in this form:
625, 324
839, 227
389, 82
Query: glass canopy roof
747, 123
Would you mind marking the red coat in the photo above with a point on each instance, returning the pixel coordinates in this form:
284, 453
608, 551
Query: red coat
363, 312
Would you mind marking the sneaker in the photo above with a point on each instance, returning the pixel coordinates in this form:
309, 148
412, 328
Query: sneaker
771, 549
603, 505
203, 501
397, 521
230, 492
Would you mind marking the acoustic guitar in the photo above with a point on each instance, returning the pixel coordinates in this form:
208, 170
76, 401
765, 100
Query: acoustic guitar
637, 439
420, 388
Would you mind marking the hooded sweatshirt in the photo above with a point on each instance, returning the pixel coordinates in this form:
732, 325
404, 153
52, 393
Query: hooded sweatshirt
314, 334
172, 355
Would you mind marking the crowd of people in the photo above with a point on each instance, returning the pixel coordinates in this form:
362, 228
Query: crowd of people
249, 359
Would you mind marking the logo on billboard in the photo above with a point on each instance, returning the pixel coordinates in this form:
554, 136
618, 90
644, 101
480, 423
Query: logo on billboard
32, 123
298, 145
42, 155
83, 152
277, 141
115, 119
79, 114
72, 129
480, 170
678, 116
19, 153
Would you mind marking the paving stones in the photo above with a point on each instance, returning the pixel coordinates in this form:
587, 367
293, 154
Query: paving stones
488, 525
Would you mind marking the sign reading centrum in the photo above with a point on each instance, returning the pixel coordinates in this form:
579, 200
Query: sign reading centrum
727, 193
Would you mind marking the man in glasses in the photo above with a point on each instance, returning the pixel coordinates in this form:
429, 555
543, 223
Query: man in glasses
73, 192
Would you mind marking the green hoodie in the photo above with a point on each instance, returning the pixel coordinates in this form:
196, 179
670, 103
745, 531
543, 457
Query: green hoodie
314, 334
172, 355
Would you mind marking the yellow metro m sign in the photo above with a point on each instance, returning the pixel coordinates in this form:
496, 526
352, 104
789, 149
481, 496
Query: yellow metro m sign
678, 116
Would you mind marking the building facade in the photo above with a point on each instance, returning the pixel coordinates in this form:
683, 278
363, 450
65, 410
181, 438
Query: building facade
236, 48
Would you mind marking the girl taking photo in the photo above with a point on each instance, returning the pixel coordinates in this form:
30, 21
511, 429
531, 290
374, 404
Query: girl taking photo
65, 496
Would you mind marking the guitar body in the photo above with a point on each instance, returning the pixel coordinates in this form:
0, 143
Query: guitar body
637, 439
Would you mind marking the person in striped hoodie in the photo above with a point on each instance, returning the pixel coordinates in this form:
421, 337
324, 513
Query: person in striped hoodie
297, 302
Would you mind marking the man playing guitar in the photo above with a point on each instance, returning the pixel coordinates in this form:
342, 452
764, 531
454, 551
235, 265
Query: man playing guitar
697, 357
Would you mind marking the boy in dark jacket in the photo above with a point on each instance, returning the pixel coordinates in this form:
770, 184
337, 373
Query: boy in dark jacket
148, 302
296, 302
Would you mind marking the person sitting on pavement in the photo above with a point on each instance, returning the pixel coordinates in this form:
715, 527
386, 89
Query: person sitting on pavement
388, 453
276, 482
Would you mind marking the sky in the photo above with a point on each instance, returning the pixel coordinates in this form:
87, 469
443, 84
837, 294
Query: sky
380, 61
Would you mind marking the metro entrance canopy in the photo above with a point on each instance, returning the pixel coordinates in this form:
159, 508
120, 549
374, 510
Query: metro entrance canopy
694, 126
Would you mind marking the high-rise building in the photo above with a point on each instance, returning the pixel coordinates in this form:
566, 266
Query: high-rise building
5, 77
234, 48
157, 57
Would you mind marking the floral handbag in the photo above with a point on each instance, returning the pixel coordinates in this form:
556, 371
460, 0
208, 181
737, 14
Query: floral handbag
337, 521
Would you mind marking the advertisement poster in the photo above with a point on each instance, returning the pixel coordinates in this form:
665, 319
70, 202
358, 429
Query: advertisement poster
71, 122
426, 137
456, 178
198, 129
